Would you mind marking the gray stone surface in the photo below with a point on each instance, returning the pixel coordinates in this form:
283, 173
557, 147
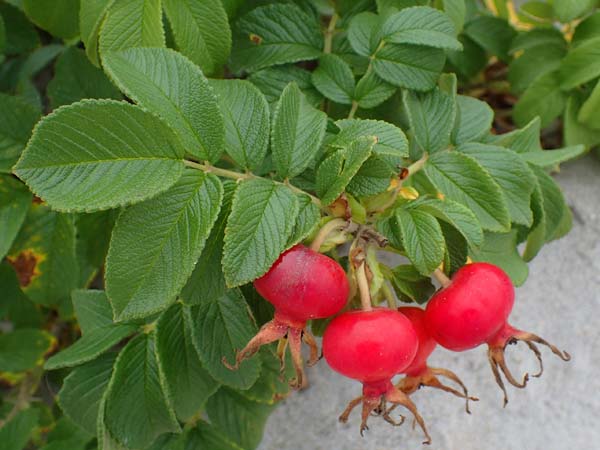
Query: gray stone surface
561, 410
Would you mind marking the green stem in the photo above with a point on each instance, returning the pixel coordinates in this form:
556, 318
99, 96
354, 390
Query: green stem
441, 277
389, 296
363, 287
353, 109
329, 34
325, 231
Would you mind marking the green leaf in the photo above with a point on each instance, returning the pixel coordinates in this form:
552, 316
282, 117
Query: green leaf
44, 255
247, 119
409, 66
21, 36
31, 68
66, 435
371, 90
457, 215
462, 179
336, 171
542, 98
137, 410
492, 33
239, 418
360, 31
421, 25
17, 119
75, 78
588, 113
93, 237
24, 349
207, 279
262, 218
2, 39
220, 327
372, 178
100, 154
421, 238
168, 84
82, 390
470, 61
91, 17
410, 285
501, 249
132, 23
391, 141
553, 202
586, 29
201, 31
568, 10
512, 175
15, 199
526, 139
431, 116
582, 64
456, 10
538, 37
58, 17
92, 309
91, 345
15, 433
334, 79
275, 34
574, 131
105, 439
532, 64
551, 158
204, 435
298, 130
188, 383
273, 81
306, 221
457, 249
155, 245
14, 305
473, 120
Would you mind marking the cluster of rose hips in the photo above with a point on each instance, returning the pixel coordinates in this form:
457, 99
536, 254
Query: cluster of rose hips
374, 344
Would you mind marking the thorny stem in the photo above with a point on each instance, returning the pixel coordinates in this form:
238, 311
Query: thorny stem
439, 275
329, 33
326, 230
363, 287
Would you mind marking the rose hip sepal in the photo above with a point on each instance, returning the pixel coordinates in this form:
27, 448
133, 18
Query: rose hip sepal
474, 309
302, 285
419, 374
372, 347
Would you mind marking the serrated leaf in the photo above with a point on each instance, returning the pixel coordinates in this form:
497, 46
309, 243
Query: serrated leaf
262, 218
92, 309
336, 171
532, 64
457, 249
164, 236
15, 433
306, 221
92, 240
456, 10
171, 86
371, 90
512, 175
581, 64
43, 255
99, 154
542, 98
494, 34
239, 418
373, 177
188, 383
462, 179
501, 249
75, 78
574, 131
551, 158
457, 215
24, 349
201, 31
410, 285
137, 410
409, 66
273, 80
91, 17
421, 25
297, 133
421, 238
58, 17
220, 327
391, 141
470, 61
91, 345
473, 120
553, 202
204, 435
21, 36
17, 119
360, 30
431, 115
275, 34
247, 120
334, 79
82, 390
15, 199
132, 23
526, 139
